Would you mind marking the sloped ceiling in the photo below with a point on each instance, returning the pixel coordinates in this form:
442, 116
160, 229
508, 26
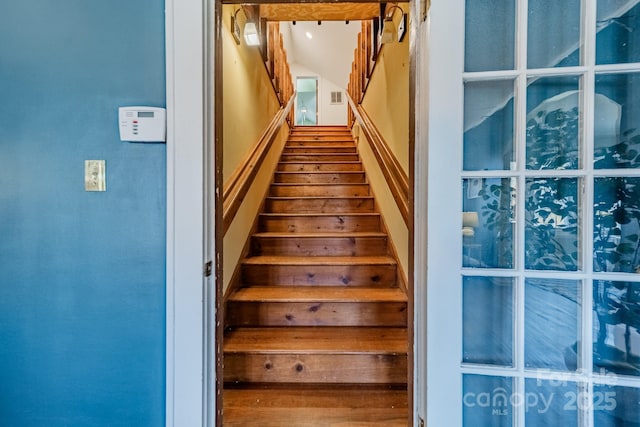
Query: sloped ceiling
329, 52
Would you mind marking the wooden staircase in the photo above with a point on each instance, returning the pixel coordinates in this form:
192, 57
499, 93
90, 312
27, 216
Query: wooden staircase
317, 334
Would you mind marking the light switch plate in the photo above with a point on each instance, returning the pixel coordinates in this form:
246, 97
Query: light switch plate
94, 175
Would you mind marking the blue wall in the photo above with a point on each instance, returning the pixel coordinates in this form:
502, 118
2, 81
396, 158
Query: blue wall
82, 274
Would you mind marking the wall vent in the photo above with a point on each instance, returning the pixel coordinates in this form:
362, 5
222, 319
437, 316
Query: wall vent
336, 98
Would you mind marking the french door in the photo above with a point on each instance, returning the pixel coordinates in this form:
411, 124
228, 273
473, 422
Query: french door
543, 151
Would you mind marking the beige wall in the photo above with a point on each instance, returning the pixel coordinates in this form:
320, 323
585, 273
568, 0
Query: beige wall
237, 234
397, 229
249, 104
387, 97
386, 101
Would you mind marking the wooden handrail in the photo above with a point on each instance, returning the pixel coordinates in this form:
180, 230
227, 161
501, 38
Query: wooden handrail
235, 190
396, 177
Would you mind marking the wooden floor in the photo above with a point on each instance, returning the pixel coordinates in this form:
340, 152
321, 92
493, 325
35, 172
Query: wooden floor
317, 333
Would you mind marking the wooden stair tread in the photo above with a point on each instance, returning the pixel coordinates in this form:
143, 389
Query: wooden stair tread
315, 184
319, 197
317, 214
324, 137
321, 156
319, 260
322, 144
318, 294
319, 128
303, 142
328, 234
312, 339
326, 146
345, 172
305, 417
347, 162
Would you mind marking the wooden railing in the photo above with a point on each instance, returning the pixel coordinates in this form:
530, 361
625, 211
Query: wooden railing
365, 56
236, 188
275, 57
362, 66
396, 178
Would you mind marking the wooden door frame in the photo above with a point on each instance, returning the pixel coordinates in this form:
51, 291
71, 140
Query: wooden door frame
194, 130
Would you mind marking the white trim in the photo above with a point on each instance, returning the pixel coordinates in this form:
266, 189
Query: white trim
419, 45
185, 225
445, 61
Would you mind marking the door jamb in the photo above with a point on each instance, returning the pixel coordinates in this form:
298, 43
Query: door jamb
184, 39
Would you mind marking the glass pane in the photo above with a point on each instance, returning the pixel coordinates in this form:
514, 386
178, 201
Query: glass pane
489, 35
617, 121
553, 33
552, 224
488, 125
616, 320
487, 401
618, 26
488, 222
552, 403
552, 323
615, 406
487, 323
616, 224
553, 123
306, 101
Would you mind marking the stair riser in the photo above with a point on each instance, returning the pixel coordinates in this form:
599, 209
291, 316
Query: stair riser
342, 223
321, 205
381, 276
314, 143
320, 167
299, 416
320, 178
309, 131
319, 158
320, 150
317, 314
320, 368
336, 141
319, 246
321, 137
337, 190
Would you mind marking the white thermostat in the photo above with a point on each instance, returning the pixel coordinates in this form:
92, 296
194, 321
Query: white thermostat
143, 124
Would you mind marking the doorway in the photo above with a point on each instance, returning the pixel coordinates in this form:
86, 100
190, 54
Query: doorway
309, 87
192, 63
306, 101
307, 112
